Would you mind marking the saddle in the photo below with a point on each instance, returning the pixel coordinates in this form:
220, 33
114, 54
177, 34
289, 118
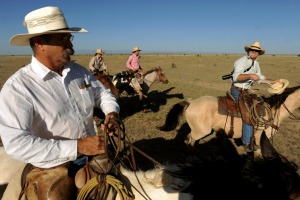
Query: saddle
59, 184
227, 105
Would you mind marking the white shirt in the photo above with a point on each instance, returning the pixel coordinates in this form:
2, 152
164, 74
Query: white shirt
240, 66
42, 114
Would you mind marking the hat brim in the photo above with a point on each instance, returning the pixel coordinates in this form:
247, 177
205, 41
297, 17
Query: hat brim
261, 50
23, 39
136, 50
279, 91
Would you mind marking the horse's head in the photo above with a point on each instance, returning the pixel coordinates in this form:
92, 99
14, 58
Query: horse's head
161, 76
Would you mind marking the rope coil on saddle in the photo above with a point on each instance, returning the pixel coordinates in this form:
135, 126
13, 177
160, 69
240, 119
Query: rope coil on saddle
121, 189
259, 120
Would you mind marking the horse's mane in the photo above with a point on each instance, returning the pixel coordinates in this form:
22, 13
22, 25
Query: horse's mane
276, 100
149, 71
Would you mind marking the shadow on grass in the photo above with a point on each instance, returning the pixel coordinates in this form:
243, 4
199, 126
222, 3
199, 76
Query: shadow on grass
132, 104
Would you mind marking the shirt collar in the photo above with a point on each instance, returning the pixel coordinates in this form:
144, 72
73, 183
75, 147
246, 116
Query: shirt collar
40, 69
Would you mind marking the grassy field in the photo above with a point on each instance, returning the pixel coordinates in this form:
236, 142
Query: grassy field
190, 76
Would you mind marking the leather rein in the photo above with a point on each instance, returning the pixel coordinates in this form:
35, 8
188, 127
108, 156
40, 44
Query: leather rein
122, 138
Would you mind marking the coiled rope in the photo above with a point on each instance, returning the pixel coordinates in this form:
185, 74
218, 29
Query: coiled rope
261, 120
121, 189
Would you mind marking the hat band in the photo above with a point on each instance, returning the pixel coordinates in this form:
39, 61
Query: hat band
41, 24
255, 47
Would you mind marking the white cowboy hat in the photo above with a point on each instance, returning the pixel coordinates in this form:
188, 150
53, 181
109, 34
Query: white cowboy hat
99, 51
255, 46
47, 20
135, 49
278, 87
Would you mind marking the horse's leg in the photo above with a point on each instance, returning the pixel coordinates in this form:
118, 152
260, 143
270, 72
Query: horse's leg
137, 87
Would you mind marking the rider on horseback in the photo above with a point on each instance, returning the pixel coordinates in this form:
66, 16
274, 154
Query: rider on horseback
97, 63
246, 71
133, 63
134, 67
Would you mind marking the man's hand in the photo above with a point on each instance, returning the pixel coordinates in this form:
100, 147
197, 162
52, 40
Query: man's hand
112, 122
91, 145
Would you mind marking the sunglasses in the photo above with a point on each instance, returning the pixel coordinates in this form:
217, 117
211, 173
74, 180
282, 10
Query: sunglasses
64, 38
255, 50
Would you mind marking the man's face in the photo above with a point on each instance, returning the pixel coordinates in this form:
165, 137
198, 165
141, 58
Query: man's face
253, 53
55, 49
137, 53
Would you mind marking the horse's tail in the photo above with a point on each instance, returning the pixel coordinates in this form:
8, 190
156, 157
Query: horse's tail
172, 118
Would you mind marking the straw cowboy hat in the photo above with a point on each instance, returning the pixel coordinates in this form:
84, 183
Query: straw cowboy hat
135, 49
278, 87
255, 46
99, 51
47, 20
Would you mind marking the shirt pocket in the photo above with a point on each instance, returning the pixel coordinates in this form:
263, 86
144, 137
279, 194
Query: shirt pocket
87, 96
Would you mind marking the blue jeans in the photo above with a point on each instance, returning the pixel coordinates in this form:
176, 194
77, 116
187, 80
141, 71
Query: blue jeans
247, 129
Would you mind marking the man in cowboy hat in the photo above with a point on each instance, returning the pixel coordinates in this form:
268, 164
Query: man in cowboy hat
246, 71
134, 67
97, 63
133, 62
46, 116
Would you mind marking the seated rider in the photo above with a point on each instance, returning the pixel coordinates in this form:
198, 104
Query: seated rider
97, 63
246, 71
133, 63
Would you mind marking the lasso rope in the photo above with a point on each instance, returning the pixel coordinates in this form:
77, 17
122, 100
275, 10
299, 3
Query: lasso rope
110, 180
259, 120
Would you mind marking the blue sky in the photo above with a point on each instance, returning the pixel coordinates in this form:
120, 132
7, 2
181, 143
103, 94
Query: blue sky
187, 26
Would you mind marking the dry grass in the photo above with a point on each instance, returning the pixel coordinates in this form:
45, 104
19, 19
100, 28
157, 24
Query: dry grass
193, 76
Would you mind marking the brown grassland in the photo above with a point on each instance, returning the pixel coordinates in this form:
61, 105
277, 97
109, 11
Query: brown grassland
190, 76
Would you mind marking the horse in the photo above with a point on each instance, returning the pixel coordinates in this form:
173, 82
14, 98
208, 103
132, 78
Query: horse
125, 81
106, 81
212, 170
203, 117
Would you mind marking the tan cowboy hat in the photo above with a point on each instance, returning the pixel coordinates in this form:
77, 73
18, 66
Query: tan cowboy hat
135, 49
47, 20
278, 87
255, 46
99, 51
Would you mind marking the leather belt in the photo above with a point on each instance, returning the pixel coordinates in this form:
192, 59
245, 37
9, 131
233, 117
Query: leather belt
237, 88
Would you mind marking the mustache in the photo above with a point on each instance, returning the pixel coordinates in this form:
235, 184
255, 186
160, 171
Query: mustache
69, 52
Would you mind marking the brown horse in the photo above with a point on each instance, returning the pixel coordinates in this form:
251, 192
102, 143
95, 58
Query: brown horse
106, 81
202, 115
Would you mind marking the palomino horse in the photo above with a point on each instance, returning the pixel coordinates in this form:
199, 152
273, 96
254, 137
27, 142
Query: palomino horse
222, 173
132, 86
202, 115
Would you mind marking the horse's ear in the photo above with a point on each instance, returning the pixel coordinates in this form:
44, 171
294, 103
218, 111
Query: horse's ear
267, 150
